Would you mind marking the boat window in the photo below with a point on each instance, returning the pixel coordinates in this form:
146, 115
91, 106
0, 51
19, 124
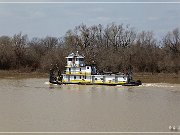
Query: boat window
80, 59
95, 78
85, 77
87, 67
80, 77
80, 69
74, 77
69, 59
69, 69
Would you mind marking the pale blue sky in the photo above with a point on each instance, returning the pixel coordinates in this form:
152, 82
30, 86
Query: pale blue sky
40, 20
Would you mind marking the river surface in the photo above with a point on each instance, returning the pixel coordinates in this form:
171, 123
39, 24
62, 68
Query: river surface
31, 105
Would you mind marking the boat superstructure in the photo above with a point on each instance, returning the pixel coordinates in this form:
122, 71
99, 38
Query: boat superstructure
77, 72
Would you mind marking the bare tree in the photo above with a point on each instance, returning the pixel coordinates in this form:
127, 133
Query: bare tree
19, 43
6, 53
172, 41
172, 45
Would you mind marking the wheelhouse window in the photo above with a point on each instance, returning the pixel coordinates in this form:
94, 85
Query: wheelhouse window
81, 59
69, 59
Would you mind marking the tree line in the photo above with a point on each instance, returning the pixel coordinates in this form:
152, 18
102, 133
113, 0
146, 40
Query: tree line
113, 48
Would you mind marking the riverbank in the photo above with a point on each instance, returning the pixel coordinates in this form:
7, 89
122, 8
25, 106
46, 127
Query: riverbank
20, 74
144, 77
157, 77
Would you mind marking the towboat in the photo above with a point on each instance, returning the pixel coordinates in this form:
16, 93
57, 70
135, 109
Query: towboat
77, 72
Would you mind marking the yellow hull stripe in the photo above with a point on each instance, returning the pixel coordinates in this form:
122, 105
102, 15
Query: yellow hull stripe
89, 81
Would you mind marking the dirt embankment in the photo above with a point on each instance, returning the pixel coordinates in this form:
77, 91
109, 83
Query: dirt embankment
21, 74
157, 77
144, 77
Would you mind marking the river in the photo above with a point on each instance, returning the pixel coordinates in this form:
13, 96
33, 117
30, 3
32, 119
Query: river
31, 105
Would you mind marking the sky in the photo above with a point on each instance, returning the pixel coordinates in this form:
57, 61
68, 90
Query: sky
55, 19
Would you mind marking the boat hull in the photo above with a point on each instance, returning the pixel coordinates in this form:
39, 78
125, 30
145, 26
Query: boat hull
137, 83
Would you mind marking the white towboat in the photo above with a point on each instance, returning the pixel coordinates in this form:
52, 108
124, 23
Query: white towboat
78, 73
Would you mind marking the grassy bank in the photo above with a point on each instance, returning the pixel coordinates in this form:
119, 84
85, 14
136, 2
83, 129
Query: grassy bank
22, 74
157, 77
144, 77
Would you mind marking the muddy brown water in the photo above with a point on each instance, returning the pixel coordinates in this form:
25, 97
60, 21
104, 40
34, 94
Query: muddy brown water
31, 105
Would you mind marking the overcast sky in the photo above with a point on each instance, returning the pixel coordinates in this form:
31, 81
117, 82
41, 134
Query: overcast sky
41, 20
